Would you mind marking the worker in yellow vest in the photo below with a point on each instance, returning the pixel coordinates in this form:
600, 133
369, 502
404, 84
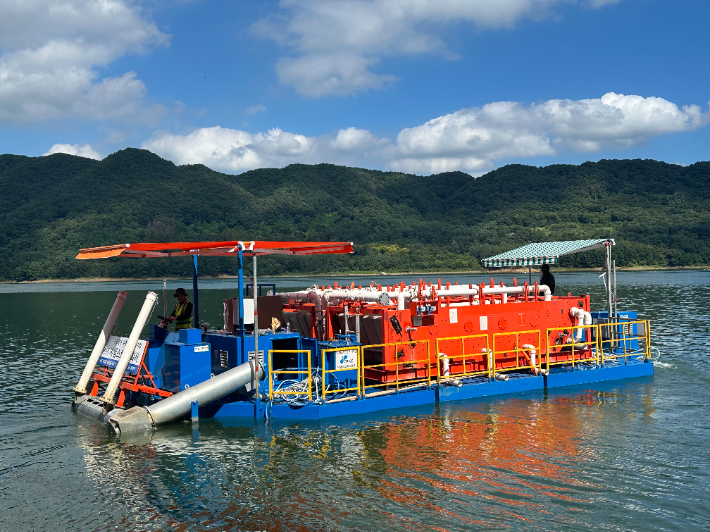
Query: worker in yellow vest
182, 315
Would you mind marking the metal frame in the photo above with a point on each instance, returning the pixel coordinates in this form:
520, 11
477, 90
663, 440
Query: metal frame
325, 372
623, 339
593, 345
463, 356
517, 350
273, 372
396, 366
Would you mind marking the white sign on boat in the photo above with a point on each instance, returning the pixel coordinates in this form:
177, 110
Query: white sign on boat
346, 359
113, 350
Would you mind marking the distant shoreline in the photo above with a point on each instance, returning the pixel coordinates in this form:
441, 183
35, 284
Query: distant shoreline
359, 274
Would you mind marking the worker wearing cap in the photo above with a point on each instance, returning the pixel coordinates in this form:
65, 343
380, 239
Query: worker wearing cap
182, 315
547, 278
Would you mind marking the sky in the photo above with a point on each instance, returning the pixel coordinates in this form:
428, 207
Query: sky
420, 86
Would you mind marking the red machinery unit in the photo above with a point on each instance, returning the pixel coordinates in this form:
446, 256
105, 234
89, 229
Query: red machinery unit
420, 330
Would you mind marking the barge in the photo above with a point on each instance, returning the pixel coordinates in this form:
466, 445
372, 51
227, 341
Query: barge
333, 350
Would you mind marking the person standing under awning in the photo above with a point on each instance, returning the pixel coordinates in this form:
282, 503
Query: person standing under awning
547, 278
182, 315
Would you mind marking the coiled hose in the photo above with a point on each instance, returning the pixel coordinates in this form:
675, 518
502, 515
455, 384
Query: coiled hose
295, 392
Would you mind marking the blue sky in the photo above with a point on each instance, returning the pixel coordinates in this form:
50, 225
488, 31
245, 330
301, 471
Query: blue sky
420, 86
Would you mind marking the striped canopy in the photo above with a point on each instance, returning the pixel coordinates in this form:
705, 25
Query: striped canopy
542, 253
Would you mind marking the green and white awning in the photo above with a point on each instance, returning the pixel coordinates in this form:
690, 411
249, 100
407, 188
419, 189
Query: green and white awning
542, 253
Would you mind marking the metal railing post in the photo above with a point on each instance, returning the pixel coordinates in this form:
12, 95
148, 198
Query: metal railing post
310, 394
323, 376
428, 366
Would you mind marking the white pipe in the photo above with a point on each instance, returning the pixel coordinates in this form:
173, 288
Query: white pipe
490, 359
544, 289
444, 364
101, 342
409, 293
533, 357
583, 318
401, 301
453, 291
143, 316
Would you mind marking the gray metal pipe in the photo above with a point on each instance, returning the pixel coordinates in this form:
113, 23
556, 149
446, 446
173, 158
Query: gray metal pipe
123, 362
176, 406
101, 342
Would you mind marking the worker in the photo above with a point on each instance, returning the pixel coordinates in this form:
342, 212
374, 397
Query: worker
182, 315
547, 278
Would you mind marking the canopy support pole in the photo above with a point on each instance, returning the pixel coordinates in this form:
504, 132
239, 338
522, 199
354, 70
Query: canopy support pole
240, 286
608, 281
255, 292
529, 275
194, 291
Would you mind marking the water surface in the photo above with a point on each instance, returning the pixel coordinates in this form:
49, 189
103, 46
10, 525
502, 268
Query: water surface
627, 455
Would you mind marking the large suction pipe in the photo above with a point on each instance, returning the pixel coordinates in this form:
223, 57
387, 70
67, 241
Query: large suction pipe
583, 318
141, 418
143, 316
101, 342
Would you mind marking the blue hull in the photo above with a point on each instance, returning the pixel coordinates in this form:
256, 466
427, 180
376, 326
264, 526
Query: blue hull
558, 377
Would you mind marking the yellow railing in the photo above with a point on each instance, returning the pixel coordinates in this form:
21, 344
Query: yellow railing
273, 372
517, 348
464, 356
396, 365
326, 372
622, 340
583, 345
618, 345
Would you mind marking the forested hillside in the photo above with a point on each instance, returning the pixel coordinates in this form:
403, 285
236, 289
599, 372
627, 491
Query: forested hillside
51, 206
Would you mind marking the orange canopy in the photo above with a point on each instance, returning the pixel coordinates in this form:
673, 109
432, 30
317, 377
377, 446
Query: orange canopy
249, 248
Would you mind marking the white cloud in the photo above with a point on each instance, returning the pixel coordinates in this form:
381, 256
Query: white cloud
471, 140
255, 109
232, 150
50, 51
319, 74
352, 139
84, 150
335, 45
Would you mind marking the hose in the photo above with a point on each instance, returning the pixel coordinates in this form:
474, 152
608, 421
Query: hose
299, 389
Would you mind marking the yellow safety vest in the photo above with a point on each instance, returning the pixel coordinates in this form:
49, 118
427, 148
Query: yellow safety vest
181, 321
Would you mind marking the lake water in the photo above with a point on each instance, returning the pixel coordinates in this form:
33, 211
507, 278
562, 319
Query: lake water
626, 455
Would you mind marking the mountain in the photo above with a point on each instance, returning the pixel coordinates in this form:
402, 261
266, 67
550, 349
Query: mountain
52, 206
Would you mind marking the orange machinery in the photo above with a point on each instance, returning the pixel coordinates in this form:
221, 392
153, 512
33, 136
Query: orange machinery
493, 323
